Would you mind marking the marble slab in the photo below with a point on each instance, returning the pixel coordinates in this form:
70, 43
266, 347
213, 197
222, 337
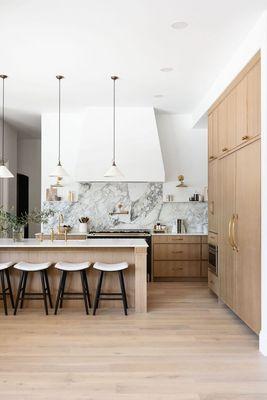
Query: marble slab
143, 203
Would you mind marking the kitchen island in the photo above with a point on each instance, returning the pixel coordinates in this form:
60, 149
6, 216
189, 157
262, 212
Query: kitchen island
132, 251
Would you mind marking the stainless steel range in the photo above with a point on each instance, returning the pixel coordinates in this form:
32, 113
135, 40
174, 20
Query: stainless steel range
127, 234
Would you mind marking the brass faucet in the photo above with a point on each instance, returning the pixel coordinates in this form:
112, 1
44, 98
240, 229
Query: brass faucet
60, 221
66, 234
52, 235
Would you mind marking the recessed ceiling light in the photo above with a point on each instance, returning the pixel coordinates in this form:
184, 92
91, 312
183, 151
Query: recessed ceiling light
179, 25
166, 69
158, 96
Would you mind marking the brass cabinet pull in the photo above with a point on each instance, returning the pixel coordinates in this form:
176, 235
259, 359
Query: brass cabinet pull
246, 137
235, 218
179, 268
230, 238
177, 252
177, 239
225, 149
212, 207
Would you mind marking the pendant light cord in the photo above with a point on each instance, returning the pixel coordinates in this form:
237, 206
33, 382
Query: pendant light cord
59, 119
114, 124
114, 78
3, 121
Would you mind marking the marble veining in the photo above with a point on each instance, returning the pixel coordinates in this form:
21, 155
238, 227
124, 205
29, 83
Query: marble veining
142, 201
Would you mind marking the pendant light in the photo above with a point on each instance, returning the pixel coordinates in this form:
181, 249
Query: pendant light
4, 171
59, 171
113, 171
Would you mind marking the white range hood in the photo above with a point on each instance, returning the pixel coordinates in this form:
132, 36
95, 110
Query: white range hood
87, 144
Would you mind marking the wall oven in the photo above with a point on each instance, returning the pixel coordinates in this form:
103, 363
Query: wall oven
213, 259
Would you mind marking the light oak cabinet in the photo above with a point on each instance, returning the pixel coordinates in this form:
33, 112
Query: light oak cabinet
226, 212
236, 116
239, 233
213, 135
247, 235
213, 196
180, 257
213, 282
234, 193
254, 101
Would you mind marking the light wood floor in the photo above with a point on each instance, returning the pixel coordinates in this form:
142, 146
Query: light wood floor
187, 347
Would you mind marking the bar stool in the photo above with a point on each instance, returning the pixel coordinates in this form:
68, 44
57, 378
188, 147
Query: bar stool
6, 290
103, 268
22, 295
66, 267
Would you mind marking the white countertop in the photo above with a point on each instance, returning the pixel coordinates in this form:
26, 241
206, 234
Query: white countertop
180, 234
26, 243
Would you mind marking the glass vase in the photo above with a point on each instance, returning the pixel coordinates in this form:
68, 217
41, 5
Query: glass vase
18, 234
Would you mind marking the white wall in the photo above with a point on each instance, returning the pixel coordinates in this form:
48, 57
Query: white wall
29, 164
11, 158
256, 40
184, 152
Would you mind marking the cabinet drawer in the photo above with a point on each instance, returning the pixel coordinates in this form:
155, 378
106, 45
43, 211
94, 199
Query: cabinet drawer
177, 239
213, 282
205, 251
204, 268
170, 269
163, 251
213, 238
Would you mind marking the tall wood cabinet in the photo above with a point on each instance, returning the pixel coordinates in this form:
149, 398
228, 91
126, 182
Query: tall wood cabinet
234, 192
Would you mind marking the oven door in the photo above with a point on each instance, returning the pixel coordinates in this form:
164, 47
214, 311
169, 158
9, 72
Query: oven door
213, 259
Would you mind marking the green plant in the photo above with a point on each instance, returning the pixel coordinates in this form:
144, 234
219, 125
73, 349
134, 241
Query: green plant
9, 220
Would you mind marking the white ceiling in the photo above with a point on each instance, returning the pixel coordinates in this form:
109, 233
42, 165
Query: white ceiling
88, 40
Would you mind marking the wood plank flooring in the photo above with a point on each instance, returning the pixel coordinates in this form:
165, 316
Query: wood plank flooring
187, 347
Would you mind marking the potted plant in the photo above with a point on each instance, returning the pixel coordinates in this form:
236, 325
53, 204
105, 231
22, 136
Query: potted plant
11, 221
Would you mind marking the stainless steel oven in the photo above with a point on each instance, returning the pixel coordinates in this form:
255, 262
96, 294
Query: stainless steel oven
213, 258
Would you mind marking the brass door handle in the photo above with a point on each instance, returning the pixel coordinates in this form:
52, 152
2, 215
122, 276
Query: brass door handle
246, 137
230, 231
235, 217
225, 149
212, 207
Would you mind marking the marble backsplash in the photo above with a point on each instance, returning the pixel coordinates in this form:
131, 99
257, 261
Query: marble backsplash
143, 203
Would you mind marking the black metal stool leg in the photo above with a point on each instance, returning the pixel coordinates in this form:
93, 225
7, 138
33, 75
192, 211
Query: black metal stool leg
10, 288
87, 287
123, 292
23, 289
59, 291
48, 289
84, 292
44, 291
123, 288
98, 291
63, 289
4, 291
18, 294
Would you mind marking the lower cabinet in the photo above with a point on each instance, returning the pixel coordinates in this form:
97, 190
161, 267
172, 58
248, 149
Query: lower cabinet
180, 257
213, 282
